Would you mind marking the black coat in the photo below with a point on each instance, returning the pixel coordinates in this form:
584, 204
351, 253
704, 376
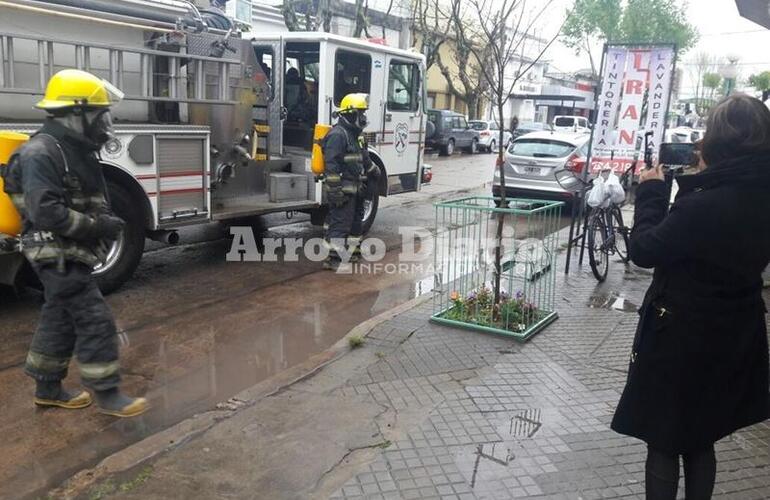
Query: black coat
699, 365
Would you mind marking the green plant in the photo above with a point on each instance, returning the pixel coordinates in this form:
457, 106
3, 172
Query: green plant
355, 341
478, 308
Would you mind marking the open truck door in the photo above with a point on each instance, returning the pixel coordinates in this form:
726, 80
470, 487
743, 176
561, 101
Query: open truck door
403, 122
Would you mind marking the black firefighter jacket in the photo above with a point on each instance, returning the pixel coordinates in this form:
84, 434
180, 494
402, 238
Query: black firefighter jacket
344, 158
699, 366
57, 199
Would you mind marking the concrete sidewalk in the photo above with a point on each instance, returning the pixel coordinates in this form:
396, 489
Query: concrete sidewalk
425, 411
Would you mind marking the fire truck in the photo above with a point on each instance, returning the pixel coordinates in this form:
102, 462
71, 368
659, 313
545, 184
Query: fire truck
213, 126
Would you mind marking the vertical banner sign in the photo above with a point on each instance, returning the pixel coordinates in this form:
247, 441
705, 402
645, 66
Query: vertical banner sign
662, 69
633, 100
609, 100
634, 88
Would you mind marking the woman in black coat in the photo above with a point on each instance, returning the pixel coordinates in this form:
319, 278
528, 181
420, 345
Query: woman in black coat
699, 364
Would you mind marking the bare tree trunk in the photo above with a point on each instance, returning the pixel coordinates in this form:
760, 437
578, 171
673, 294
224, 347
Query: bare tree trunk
362, 24
387, 14
290, 15
503, 204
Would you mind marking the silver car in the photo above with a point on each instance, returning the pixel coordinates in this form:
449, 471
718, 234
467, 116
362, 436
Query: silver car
489, 135
532, 160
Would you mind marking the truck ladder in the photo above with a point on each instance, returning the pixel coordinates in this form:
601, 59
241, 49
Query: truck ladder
130, 69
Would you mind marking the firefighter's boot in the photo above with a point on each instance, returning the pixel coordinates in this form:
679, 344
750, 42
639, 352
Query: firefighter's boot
354, 247
115, 403
53, 394
331, 263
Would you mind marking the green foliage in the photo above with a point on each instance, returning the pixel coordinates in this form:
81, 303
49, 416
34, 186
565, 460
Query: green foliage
657, 21
594, 19
712, 81
635, 21
760, 81
355, 341
109, 487
478, 308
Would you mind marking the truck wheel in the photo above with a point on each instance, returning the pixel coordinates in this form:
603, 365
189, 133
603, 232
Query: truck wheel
126, 252
370, 212
449, 149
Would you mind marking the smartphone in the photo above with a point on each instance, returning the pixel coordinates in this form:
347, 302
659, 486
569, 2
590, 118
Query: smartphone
677, 154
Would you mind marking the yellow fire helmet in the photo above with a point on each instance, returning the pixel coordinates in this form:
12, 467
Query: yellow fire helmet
72, 87
354, 102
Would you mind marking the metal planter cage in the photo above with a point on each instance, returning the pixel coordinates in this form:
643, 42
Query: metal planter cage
466, 241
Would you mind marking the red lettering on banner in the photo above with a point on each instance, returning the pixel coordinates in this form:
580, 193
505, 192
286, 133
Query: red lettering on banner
628, 137
631, 112
634, 87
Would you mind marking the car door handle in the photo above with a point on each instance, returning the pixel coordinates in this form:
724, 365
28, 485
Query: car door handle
388, 117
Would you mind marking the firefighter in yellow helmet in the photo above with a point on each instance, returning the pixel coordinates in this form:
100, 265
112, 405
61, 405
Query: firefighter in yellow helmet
349, 172
56, 182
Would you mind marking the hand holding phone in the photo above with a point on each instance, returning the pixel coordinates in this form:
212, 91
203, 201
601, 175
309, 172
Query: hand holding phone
654, 173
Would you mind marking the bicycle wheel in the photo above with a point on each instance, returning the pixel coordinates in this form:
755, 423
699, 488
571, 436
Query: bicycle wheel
621, 235
598, 253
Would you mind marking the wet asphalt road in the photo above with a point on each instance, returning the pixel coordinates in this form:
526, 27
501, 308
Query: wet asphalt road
196, 329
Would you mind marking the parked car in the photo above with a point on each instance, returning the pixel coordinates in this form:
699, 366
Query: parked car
571, 124
683, 135
489, 135
532, 160
529, 127
450, 132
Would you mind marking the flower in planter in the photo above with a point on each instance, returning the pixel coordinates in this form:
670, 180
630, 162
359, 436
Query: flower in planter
455, 295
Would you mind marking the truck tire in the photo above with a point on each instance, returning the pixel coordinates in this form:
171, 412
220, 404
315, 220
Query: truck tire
125, 253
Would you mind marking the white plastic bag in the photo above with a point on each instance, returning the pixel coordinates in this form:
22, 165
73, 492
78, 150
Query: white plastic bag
597, 196
614, 190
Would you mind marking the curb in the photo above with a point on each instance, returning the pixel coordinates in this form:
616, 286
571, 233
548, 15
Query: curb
185, 431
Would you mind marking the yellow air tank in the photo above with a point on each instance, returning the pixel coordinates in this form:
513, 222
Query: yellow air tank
317, 164
10, 221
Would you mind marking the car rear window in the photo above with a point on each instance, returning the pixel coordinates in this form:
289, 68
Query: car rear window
541, 148
564, 121
479, 125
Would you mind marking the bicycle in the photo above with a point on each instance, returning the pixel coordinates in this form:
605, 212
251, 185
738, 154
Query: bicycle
606, 233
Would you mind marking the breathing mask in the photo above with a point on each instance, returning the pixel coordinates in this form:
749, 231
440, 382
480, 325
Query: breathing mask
97, 125
356, 118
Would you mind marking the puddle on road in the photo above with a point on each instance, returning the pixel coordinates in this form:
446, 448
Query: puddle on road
612, 301
188, 363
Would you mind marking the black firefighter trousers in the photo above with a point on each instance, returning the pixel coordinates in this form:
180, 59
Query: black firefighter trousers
75, 318
344, 225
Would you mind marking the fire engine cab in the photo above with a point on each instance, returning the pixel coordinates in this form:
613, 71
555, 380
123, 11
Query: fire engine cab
213, 127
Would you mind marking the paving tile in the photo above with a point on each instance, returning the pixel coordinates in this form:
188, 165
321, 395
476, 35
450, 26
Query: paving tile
506, 420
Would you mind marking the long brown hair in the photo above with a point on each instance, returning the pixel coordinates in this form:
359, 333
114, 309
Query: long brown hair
738, 126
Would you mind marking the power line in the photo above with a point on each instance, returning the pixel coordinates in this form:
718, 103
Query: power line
720, 64
726, 33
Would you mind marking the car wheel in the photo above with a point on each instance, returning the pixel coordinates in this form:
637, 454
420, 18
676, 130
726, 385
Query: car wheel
492, 146
474, 147
126, 252
449, 149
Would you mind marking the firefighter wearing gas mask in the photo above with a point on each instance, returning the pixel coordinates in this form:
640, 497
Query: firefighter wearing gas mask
56, 182
350, 174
